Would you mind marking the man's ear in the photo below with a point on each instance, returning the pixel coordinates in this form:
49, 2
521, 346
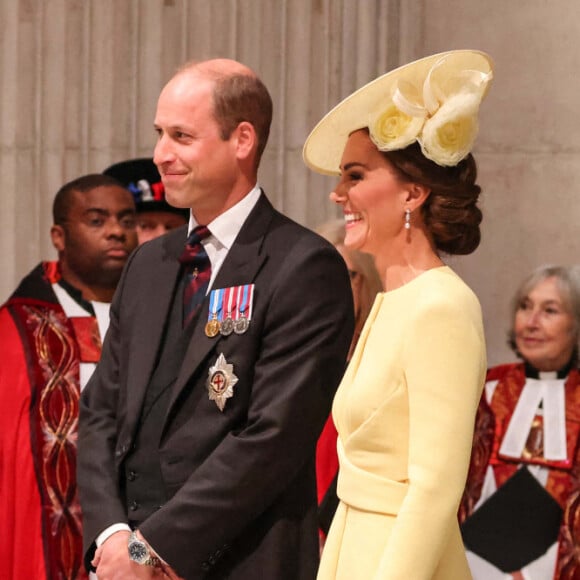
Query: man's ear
416, 196
57, 236
246, 140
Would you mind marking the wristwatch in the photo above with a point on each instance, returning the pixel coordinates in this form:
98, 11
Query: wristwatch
139, 552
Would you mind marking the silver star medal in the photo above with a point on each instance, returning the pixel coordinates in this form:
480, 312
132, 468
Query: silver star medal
221, 381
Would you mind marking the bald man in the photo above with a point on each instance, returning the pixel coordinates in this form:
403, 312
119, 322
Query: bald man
198, 429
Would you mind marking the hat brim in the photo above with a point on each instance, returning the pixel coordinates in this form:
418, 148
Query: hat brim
160, 206
324, 146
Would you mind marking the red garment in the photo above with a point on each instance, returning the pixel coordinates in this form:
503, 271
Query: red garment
563, 482
40, 525
326, 459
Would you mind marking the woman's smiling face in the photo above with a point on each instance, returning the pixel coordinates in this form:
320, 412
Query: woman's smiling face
544, 328
371, 194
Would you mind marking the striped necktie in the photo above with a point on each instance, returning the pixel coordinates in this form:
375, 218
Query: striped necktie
197, 271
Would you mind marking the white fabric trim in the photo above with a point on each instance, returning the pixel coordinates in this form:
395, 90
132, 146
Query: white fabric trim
86, 371
549, 392
102, 314
73, 309
540, 472
488, 489
555, 420
490, 390
544, 566
70, 306
482, 570
539, 569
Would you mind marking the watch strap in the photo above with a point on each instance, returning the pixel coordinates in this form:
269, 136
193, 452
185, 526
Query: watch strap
150, 560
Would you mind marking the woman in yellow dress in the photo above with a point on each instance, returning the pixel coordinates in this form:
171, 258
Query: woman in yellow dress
406, 407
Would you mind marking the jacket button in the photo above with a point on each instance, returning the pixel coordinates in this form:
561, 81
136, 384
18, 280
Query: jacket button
134, 506
131, 476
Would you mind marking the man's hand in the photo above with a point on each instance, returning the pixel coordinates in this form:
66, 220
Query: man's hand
112, 561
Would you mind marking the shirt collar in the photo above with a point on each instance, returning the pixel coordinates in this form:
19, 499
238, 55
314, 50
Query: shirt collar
226, 227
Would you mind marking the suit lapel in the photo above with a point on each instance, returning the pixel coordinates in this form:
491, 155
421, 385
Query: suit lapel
151, 324
241, 266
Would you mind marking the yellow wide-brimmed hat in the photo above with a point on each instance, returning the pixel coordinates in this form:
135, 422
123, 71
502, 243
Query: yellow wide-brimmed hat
434, 100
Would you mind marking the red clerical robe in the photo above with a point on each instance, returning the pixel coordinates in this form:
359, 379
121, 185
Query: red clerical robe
40, 353
563, 477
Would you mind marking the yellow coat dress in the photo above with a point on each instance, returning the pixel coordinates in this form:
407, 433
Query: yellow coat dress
405, 415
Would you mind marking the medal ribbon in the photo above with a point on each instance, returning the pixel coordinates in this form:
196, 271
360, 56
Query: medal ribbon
247, 299
249, 291
215, 304
237, 300
229, 299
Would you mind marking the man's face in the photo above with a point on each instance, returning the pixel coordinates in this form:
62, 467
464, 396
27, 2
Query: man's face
152, 224
197, 166
97, 237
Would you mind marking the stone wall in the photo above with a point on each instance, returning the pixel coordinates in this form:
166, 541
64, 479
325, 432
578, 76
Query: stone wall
79, 81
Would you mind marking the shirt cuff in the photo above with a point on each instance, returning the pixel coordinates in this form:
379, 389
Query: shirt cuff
108, 532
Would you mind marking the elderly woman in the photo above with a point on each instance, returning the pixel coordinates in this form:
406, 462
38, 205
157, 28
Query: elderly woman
405, 410
365, 284
520, 508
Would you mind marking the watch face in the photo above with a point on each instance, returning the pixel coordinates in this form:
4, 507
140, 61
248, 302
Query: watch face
138, 552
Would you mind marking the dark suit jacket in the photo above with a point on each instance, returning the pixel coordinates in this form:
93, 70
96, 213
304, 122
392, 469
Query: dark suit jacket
241, 481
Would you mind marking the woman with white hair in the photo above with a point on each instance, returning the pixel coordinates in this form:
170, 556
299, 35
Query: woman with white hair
520, 508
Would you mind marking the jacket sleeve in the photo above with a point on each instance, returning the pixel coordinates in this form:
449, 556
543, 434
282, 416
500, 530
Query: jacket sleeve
445, 369
97, 474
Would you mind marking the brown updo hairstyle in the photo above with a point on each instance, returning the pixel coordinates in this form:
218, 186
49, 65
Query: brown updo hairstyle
450, 213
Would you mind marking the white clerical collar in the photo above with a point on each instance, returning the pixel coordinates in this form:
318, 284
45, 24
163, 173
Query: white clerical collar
550, 394
73, 309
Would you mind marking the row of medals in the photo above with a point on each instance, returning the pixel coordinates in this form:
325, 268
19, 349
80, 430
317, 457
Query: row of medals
228, 325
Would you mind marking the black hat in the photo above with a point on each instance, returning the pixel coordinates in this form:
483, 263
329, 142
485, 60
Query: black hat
141, 178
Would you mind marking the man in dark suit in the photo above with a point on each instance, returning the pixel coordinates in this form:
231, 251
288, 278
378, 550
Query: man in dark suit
199, 435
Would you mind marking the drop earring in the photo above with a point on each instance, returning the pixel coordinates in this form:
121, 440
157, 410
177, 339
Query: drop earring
407, 219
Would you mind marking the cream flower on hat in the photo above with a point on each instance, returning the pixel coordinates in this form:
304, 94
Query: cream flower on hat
448, 136
394, 129
442, 115
434, 101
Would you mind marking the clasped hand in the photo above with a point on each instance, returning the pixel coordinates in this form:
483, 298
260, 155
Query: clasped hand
112, 562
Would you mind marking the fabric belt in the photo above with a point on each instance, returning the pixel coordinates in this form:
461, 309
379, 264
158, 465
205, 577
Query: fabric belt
366, 491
